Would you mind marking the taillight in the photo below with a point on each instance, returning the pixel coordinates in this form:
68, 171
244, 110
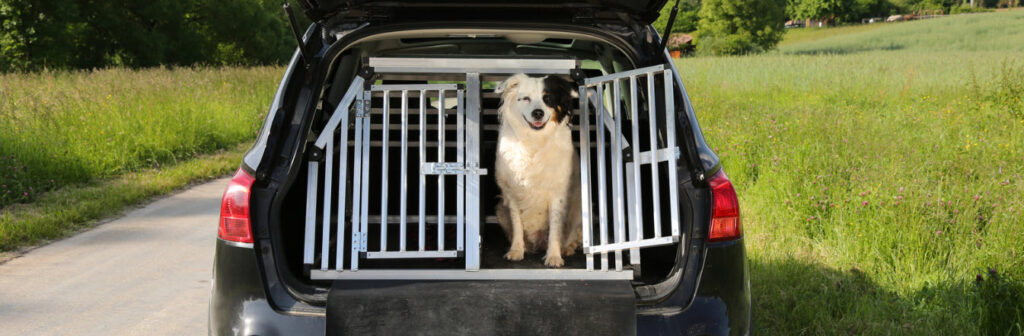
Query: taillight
725, 213
234, 210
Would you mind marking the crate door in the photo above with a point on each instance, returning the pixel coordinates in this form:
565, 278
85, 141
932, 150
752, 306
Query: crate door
628, 117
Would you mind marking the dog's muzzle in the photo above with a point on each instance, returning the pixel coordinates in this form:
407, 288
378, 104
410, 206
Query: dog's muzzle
536, 125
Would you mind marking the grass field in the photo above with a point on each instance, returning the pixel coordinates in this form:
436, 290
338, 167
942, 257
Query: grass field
72, 130
882, 191
1003, 31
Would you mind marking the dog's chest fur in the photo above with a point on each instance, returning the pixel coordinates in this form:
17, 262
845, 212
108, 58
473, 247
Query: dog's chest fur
535, 165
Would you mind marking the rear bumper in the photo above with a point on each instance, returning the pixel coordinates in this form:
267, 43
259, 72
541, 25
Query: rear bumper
238, 302
721, 305
239, 306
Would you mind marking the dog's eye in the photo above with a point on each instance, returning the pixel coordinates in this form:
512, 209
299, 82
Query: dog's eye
525, 99
549, 99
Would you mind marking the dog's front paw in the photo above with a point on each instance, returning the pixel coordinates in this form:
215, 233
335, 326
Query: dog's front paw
553, 261
514, 255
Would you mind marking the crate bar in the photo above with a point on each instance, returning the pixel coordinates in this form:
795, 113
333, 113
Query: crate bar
411, 254
357, 179
473, 180
488, 274
384, 172
663, 154
440, 178
637, 221
632, 244
598, 100
655, 185
332, 124
342, 186
617, 173
423, 177
460, 188
585, 171
328, 186
413, 87
360, 240
310, 240
404, 179
468, 66
602, 188
623, 74
632, 214
670, 136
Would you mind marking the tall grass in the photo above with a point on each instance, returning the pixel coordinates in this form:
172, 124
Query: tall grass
882, 192
62, 128
1003, 31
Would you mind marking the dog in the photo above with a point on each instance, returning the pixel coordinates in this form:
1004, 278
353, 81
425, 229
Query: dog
537, 168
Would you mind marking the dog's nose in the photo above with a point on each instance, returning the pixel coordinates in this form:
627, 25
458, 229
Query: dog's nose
537, 114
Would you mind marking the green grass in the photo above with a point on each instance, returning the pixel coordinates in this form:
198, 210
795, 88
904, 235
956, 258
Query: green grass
64, 211
809, 34
882, 192
79, 146
64, 128
1002, 31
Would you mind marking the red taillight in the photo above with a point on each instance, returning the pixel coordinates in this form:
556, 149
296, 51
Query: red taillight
725, 214
234, 210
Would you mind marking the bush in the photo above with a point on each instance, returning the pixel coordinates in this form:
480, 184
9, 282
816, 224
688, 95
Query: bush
736, 27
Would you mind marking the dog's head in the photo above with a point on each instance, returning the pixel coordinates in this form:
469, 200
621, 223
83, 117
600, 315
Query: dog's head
537, 100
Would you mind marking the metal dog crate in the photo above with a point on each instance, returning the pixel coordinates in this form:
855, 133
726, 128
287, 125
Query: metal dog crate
343, 211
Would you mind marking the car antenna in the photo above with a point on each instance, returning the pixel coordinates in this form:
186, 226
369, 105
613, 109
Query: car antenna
295, 32
668, 26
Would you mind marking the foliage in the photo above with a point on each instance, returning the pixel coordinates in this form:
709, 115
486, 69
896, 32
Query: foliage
686, 18
735, 27
64, 128
966, 8
74, 34
834, 10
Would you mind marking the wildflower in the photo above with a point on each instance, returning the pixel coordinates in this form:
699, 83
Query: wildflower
25, 194
976, 197
862, 194
865, 203
938, 232
977, 278
992, 271
956, 211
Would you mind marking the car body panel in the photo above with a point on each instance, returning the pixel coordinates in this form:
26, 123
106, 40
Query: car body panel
317, 10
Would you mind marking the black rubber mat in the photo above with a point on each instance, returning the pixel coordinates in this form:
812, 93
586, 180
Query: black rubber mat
481, 308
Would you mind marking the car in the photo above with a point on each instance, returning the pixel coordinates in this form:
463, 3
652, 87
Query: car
353, 212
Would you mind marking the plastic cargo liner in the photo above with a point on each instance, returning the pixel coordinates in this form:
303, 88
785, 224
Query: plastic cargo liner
481, 308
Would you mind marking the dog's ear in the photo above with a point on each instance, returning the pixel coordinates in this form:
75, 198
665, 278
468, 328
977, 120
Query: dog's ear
510, 84
558, 84
560, 93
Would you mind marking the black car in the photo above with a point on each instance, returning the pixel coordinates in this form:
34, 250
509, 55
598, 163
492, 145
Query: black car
367, 204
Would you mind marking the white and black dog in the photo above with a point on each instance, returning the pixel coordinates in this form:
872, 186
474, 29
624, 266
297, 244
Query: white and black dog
537, 168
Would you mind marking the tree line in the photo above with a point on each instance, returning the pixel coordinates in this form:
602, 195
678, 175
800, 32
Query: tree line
77, 34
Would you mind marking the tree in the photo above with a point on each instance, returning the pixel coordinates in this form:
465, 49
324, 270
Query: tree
828, 10
77, 34
686, 18
735, 27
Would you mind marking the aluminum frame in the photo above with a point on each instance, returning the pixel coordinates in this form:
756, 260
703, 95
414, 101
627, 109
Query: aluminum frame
621, 153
